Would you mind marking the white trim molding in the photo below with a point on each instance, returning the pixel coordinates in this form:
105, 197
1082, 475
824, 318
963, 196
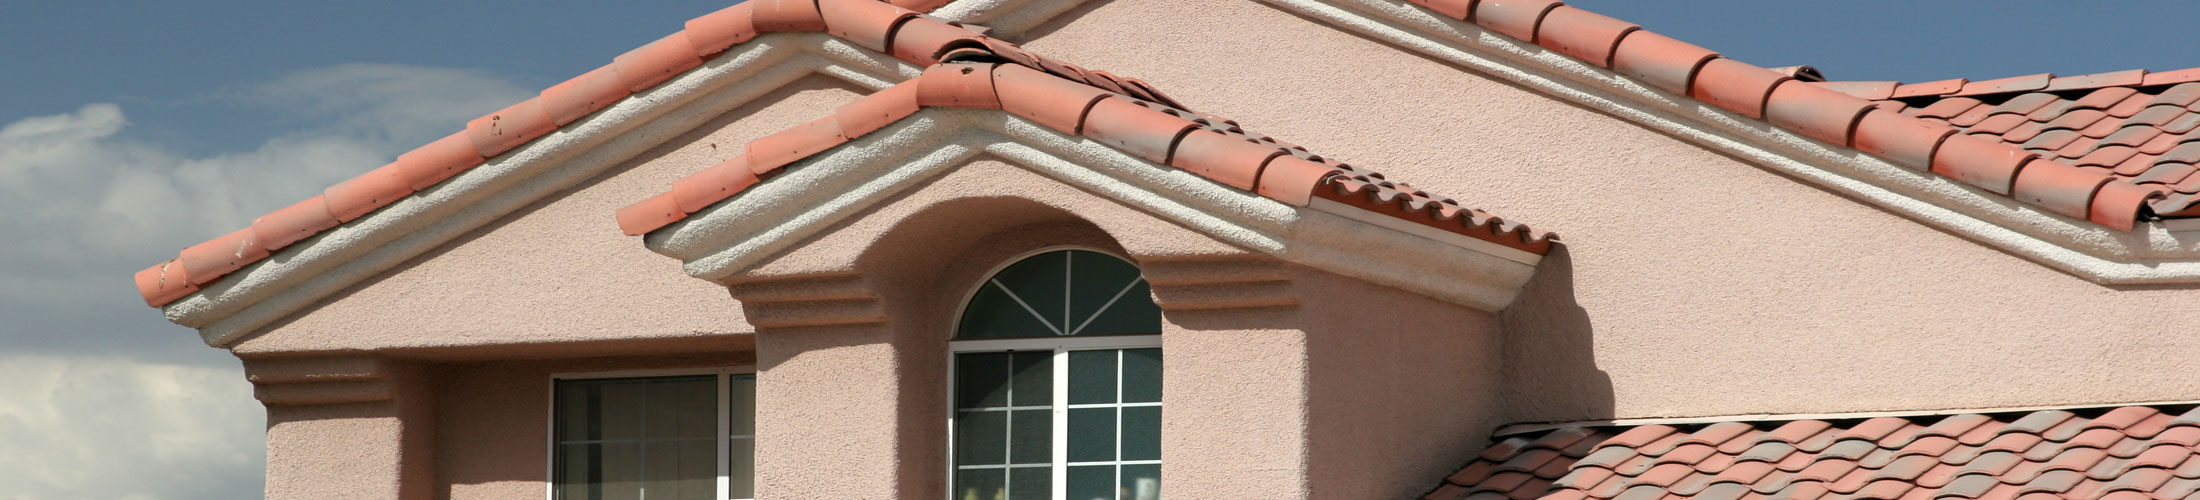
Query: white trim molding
812, 196
2154, 253
303, 274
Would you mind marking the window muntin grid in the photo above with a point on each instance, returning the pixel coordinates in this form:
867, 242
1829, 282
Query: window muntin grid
1057, 383
1057, 423
1061, 293
624, 436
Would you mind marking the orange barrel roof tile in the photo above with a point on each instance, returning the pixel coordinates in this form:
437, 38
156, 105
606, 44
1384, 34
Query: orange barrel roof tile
1914, 137
1054, 93
1069, 100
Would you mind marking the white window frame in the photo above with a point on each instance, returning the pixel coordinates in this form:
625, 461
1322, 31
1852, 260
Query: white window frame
1061, 346
725, 419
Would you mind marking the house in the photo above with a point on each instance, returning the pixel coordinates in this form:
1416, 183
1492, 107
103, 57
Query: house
861, 249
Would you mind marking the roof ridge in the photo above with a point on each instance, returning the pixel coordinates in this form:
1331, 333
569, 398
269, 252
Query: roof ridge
1816, 110
2039, 82
894, 27
1209, 146
498, 132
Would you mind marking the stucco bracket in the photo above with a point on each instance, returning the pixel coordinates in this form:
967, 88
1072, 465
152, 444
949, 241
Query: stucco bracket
809, 301
328, 379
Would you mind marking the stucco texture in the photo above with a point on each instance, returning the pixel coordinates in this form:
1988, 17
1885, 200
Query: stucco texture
493, 418
557, 271
867, 401
335, 451
1697, 284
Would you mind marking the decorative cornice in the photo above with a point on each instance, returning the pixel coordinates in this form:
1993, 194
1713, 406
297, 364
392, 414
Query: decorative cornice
321, 380
812, 196
1207, 283
809, 300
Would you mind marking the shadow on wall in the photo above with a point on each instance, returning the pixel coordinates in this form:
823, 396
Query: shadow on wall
1550, 351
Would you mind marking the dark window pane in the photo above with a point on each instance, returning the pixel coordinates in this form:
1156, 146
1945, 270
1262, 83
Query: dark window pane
1092, 482
1091, 434
619, 409
1100, 280
992, 314
1030, 483
1034, 378
1135, 314
1061, 293
1040, 280
981, 380
1142, 433
680, 470
600, 471
626, 438
1031, 437
742, 484
1091, 377
981, 437
576, 411
741, 404
1141, 482
1141, 375
681, 408
981, 484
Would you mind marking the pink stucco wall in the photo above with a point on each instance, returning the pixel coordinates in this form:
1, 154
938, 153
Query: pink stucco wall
492, 418
1690, 284
558, 271
1693, 283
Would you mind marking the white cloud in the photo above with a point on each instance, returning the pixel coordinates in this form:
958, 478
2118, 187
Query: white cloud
99, 397
82, 198
115, 428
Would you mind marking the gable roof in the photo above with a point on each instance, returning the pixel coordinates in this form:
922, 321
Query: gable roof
2117, 452
2127, 126
1816, 111
1135, 118
1212, 147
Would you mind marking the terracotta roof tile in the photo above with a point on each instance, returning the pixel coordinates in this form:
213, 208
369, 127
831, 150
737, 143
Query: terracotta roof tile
1139, 121
2015, 111
786, 15
1735, 86
1583, 35
1659, 60
1815, 111
2124, 78
868, 23
912, 37
1929, 457
714, 32
1513, 18
713, 184
298, 221
575, 98
1939, 87
1455, 9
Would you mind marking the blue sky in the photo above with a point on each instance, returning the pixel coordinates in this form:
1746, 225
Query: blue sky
132, 129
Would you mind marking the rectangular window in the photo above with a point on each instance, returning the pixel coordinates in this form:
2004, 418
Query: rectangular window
686, 437
1076, 423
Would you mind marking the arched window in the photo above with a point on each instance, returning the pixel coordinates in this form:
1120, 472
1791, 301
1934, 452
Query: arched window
1057, 386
